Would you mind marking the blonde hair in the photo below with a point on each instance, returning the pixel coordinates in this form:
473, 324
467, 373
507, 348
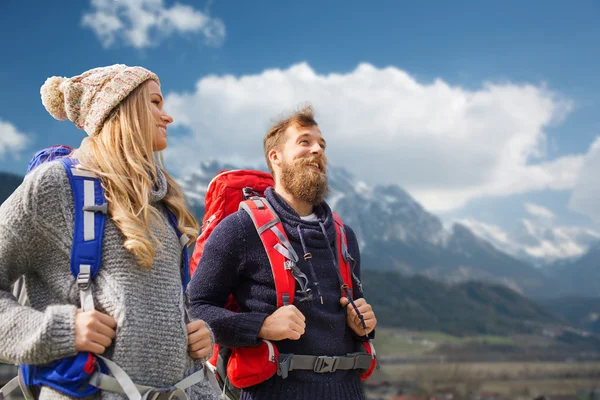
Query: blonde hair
121, 155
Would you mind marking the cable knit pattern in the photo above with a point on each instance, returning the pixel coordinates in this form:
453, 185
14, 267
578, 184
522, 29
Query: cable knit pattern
234, 261
87, 99
36, 231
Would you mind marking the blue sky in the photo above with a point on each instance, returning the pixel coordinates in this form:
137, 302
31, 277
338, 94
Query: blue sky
482, 111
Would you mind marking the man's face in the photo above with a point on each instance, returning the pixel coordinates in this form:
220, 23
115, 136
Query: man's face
303, 164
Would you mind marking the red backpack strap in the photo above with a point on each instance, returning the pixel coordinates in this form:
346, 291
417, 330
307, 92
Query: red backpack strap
279, 250
343, 256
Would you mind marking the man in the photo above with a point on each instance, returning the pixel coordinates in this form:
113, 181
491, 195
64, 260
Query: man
234, 261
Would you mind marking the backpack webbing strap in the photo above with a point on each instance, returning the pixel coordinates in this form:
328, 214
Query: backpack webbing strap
322, 364
90, 211
121, 383
7, 389
20, 293
278, 248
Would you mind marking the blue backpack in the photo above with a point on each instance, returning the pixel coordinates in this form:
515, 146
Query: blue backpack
85, 374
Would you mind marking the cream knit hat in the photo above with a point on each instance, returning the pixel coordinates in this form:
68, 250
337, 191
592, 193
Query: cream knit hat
87, 99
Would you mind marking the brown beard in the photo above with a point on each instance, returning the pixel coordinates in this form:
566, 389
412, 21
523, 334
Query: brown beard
303, 182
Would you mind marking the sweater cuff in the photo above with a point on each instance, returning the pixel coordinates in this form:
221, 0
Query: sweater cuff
247, 327
60, 337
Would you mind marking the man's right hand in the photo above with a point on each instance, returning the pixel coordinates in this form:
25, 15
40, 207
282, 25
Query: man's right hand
94, 331
285, 323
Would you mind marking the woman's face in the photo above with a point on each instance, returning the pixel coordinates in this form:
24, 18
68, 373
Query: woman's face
162, 119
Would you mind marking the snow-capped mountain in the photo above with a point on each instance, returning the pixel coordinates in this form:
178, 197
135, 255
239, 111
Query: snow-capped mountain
396, 233
539, 241
195, 184
396, 215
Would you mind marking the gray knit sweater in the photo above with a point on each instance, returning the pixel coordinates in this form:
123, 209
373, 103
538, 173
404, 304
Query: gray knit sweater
36, 233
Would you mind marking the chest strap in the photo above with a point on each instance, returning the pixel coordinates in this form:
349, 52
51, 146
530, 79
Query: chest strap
322, 364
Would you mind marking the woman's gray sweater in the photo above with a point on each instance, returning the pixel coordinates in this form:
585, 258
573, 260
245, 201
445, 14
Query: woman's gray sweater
36, 233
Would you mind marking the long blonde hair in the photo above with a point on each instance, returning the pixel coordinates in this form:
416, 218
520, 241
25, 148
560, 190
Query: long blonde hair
121, 155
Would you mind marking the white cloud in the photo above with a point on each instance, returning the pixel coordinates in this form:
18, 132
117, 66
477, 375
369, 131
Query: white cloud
11, 140
141, 23
538, 211
585, 197
552, 243
445, 144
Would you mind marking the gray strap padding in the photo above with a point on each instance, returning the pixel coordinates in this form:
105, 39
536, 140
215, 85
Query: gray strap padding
268, 225
9, 387
88, 216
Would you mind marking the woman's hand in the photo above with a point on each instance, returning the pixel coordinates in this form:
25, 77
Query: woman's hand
199, 342
94, 331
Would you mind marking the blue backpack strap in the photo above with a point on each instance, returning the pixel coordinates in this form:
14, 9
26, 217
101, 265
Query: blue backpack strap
90, 211
183, 240
71, 375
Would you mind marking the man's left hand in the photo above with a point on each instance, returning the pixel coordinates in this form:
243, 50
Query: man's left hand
199, 342
353, 320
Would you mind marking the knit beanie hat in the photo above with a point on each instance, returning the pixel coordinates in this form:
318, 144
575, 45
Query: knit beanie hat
87, 99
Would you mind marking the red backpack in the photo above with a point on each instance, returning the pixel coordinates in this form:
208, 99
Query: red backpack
238, 368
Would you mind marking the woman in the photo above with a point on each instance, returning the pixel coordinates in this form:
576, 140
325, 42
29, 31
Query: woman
138, 314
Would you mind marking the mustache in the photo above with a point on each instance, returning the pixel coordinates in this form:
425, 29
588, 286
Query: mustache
316, 160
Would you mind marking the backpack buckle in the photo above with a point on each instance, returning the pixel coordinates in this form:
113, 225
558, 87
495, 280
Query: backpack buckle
325, 364
83, 280
289, 265
248, 192
103, 208
284, 366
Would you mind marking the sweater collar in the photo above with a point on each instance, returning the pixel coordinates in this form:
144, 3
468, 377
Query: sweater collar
310, 230
159, 188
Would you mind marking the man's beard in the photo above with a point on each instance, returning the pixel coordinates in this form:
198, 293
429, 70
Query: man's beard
303, 182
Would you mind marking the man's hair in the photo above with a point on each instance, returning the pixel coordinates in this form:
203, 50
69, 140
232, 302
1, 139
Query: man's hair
275, 137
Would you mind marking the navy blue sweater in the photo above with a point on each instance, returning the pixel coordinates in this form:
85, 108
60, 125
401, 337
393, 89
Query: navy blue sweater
234, 261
